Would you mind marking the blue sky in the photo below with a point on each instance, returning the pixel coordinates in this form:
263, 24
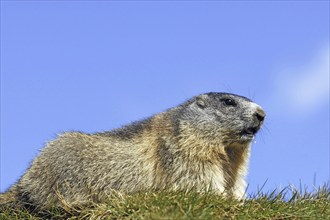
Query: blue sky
94, 66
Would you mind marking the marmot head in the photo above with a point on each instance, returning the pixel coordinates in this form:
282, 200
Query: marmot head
224, 116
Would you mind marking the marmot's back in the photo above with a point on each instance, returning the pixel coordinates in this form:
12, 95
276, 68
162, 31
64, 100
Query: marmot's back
203, 144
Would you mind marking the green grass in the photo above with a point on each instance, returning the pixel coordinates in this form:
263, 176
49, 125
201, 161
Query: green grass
287, 204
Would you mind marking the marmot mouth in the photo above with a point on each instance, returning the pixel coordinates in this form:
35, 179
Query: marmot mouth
248, 133
251, 130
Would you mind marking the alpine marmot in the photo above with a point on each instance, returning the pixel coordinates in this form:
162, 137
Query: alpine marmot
202, 144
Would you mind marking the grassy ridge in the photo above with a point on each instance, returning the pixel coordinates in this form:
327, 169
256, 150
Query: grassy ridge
170, 205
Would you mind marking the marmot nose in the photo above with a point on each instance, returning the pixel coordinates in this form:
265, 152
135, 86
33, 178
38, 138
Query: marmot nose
260, 114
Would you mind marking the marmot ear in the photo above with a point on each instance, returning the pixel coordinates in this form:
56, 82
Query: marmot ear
201, 101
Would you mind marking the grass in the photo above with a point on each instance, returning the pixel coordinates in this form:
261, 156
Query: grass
286, 204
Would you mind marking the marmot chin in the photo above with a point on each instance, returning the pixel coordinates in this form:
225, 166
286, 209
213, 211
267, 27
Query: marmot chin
202, 144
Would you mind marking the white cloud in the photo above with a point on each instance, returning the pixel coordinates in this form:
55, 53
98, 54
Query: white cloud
306, 88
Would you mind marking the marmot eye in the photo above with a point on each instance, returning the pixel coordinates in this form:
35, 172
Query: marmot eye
229, 102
